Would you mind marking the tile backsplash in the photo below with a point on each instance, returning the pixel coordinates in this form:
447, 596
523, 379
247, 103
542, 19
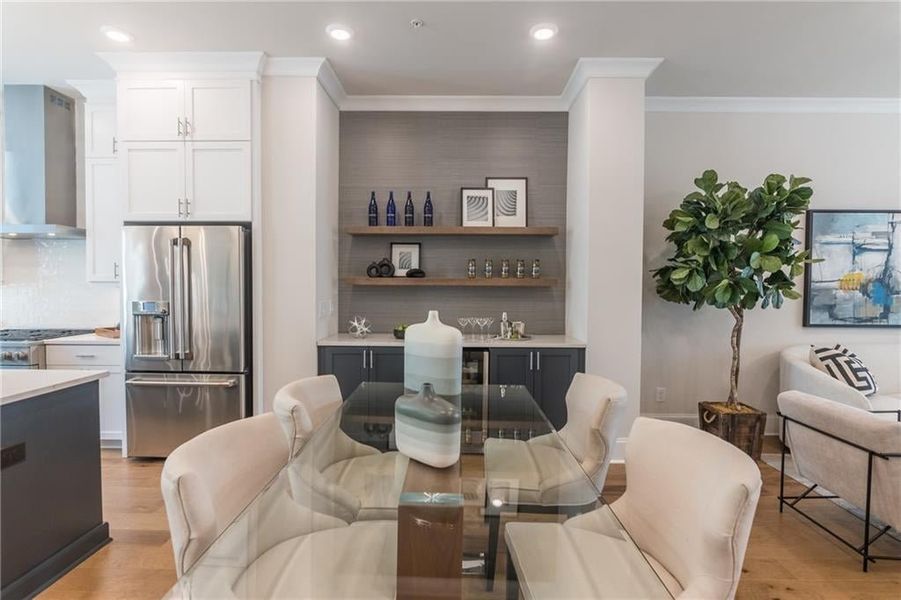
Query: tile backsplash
43, 284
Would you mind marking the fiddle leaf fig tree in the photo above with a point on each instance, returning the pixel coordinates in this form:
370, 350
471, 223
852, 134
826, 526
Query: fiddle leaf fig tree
735, 249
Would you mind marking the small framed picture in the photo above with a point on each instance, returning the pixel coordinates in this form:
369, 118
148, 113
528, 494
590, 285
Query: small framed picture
405, 257
477, 207
510, 198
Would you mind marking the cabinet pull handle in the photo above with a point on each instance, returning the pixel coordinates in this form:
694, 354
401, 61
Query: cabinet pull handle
371, 361
179, 126
364, 359
187, 127
115, 270
531, 367
115, 142
538, 360
187, 207
85, 356
179, 207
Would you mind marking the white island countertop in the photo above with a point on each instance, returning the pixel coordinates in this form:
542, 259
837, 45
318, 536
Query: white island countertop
388, 339
87, 339
21, 384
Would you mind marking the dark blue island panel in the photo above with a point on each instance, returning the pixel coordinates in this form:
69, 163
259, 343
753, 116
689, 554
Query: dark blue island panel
51, 513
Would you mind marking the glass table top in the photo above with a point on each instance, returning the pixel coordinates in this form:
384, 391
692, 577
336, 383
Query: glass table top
351, 517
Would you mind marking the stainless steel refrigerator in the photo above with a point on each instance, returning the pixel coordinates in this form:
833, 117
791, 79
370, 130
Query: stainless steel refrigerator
187, 333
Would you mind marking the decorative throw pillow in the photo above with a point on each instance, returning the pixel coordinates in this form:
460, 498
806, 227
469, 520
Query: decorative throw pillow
842, 364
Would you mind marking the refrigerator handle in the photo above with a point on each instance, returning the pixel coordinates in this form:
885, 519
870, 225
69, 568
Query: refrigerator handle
174, 285
187, 352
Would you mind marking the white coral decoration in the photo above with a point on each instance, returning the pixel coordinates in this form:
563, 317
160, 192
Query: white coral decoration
359, 327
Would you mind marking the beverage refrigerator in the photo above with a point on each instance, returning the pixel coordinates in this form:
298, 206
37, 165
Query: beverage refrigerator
187, 332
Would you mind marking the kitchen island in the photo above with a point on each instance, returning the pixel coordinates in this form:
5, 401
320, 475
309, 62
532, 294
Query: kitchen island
50, 493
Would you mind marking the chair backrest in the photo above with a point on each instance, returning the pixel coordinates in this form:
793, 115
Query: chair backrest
689, 503
594, 407
838, 467
302, 405
208, 480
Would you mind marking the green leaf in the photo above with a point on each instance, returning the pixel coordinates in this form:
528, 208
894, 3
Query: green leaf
696, 282
770, 263
754, 260
770, 241
712, 222
796, 182
679, 275
791, 294
783, 230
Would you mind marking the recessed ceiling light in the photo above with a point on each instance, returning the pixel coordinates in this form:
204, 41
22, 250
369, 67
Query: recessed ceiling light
116, 34
543, 31
339, 32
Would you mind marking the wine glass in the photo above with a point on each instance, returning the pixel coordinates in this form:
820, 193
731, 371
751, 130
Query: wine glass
489, 321
481, 322
464, 323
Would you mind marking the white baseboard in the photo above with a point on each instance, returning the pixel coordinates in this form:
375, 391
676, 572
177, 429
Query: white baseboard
111, 439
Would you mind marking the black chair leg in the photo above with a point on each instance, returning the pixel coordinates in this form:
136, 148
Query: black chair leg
512, 579
494, 527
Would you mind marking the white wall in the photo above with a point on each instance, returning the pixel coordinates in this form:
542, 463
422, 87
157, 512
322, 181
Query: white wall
854, 162
299, 215
43, 285
605, 203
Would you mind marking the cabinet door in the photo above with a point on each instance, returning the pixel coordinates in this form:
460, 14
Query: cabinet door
217, 180
152, 110
347, 364
99, 130
153, 179
511, 366
386, 364
554, 371
103, 219
218, 110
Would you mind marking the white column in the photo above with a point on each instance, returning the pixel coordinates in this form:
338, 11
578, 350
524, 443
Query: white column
604, 225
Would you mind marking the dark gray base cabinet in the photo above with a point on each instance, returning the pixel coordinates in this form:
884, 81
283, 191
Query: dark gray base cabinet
546, 372
352, 365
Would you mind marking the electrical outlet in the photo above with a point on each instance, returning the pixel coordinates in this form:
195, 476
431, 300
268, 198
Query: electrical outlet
325, 309
661, 394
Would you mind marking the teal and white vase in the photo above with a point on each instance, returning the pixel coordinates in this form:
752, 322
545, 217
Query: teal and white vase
427, 428
433, 353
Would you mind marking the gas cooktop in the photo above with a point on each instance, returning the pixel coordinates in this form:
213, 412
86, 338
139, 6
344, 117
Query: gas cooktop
37, 335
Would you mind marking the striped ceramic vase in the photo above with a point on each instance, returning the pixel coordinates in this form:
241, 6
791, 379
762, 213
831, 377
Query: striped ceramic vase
433, 353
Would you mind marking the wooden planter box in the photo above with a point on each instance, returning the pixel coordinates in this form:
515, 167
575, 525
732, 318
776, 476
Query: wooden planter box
741, 426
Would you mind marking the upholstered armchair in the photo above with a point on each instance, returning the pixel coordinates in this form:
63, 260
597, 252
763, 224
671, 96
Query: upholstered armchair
688, 506
850, 452
883, 360
341, 477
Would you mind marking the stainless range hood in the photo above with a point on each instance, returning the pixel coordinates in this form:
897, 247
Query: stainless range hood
39, 186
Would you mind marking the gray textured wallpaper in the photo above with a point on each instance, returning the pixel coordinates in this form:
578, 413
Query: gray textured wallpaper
443, 152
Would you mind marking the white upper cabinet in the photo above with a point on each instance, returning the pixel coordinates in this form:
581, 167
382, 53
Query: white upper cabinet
153, 180
99, 130
217, 110
103, 219
218, 181
152, 110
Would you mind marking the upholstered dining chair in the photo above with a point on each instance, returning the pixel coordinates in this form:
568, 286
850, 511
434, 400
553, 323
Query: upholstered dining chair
537, 472
344, 478
209, 479
689, 505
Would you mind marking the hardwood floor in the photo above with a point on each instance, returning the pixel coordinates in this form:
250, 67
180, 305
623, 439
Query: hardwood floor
788, 558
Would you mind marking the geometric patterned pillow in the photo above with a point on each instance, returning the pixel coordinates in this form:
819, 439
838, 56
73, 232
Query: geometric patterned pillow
842, 364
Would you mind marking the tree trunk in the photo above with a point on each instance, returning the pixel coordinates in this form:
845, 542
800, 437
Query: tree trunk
739, 315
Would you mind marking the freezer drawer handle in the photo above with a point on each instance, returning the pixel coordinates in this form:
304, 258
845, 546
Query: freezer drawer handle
228, 383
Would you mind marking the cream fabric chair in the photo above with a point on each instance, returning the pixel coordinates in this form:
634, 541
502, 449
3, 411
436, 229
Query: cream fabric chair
344, 478
838, 466
883, 360
689, 506
208, 480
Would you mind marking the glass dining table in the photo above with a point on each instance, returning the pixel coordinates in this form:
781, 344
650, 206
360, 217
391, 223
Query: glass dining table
351, 517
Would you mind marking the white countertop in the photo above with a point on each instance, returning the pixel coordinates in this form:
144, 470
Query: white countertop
20, 384
87, 339
388, 339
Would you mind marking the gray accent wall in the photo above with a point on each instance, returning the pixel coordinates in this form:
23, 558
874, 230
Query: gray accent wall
442, 152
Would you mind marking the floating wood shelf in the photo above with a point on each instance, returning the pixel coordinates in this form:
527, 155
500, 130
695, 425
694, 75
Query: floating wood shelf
452, 230
543, 282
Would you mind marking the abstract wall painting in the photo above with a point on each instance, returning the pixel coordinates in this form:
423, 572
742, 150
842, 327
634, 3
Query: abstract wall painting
510, 200
477, 207
858, 282
405, 257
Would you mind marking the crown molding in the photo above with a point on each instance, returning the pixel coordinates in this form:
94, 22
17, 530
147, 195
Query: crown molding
614, 68
454, 103
99, 91
714, 104
308, 66
212, 64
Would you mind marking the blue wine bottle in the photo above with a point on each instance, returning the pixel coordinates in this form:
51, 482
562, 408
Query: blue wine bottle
373, 211
408, 211
391, 211
428, 211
